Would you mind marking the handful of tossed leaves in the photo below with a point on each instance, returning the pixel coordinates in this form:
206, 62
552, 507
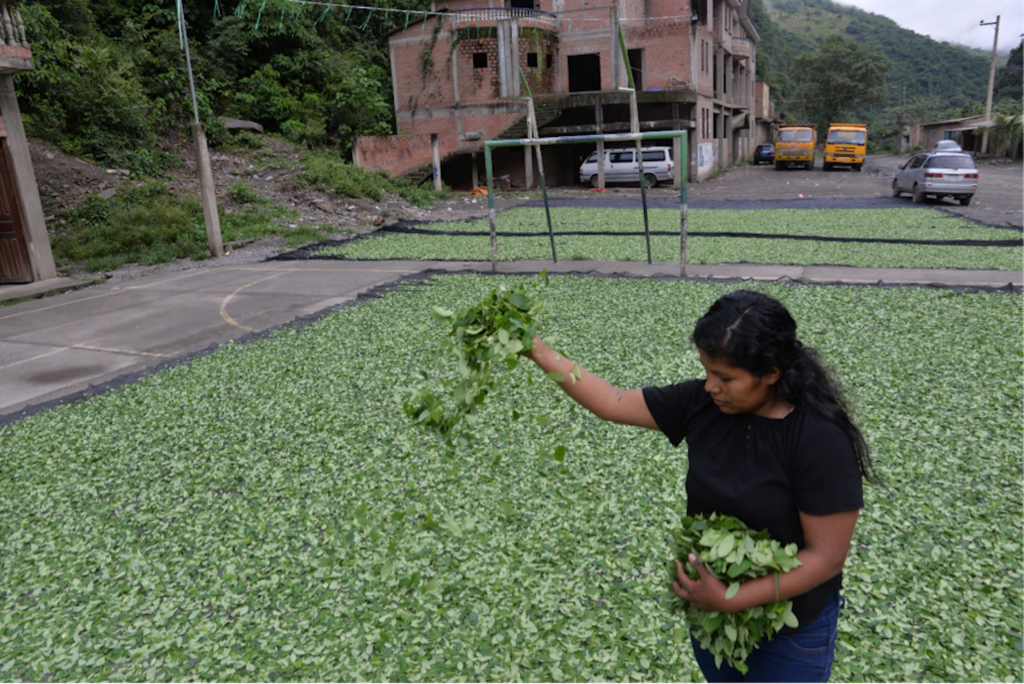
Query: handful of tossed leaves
733, 553
495, 330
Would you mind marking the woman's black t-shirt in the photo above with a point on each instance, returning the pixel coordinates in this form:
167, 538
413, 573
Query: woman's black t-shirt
764, 471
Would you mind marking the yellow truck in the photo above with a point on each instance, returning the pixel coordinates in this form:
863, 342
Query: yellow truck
794, 144
846, 145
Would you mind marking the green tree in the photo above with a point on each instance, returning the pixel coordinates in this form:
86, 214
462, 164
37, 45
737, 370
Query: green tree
110, 75
839, 77
1005, 133
1008, 85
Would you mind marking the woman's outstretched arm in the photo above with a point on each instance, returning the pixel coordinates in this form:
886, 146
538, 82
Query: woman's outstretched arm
593, 393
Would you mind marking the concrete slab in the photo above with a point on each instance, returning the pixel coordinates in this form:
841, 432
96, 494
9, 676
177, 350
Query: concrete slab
89, 337
45, 373
9, 292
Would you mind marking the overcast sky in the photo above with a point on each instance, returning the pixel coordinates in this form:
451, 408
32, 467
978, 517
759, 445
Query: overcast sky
954, 21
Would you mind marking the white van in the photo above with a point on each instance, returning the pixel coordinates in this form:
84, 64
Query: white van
620, 166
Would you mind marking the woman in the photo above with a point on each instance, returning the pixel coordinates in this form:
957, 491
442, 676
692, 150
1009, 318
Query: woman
770, 442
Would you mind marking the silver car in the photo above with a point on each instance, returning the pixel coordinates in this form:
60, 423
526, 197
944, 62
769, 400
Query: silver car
620, 166
938, 175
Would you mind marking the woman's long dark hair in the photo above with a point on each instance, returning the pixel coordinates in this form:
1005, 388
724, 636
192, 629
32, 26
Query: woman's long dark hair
755, 332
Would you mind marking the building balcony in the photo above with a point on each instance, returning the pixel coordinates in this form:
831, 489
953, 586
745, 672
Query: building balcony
15, 53
742, 48
485, 17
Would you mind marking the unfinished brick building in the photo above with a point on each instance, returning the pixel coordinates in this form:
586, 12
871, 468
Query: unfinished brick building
456, 73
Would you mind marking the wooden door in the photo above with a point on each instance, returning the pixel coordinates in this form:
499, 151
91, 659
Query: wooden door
15, 266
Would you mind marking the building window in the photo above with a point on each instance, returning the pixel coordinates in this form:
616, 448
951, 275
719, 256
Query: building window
531, 59
479, 60
550, 61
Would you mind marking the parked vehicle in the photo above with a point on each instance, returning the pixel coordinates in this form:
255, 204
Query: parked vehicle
938, 175
845, 145
794, 144
764, 154
947, 146
621, 166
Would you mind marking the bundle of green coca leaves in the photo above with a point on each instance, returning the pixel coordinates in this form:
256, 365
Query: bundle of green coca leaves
733, 553
496, 330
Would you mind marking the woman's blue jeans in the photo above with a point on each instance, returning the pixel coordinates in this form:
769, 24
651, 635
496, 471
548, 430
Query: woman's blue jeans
803, 655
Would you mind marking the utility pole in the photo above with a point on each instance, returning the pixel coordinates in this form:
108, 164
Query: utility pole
207, 191
991, 84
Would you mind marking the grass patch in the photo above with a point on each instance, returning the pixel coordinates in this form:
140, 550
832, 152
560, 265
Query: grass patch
330, 173
266, 512
146, 224
860, 223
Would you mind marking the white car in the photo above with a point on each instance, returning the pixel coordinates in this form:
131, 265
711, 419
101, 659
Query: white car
620, 166
938, 175
947, 146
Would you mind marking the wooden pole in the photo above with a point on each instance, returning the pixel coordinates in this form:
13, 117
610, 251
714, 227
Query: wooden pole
991, 84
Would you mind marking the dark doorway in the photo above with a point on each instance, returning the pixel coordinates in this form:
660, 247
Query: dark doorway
584, 73
14, 264
636, 65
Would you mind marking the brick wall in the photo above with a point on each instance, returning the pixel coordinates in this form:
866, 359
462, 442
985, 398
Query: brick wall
421, 67
665, 45
432, 68
703, 61
456, 130
388, 152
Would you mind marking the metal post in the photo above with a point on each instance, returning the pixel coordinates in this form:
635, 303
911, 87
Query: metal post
563, 140
683, 154
489, 170
534, 132
991, 83
640, 161
634, 128
599, 118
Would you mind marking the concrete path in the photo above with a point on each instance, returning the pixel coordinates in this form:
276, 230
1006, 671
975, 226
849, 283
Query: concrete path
60, 346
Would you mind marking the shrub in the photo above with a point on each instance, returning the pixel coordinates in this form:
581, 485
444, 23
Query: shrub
243, 139
242, 193
330, 173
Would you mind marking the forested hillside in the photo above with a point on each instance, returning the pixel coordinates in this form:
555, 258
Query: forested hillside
111, 73
928, 79
111, 77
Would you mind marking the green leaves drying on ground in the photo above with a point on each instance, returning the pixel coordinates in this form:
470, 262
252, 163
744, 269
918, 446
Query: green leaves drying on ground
915, 224
497, 329
265, 513
733, 553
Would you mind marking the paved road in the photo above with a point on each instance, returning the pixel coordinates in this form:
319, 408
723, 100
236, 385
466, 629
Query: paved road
61, 347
